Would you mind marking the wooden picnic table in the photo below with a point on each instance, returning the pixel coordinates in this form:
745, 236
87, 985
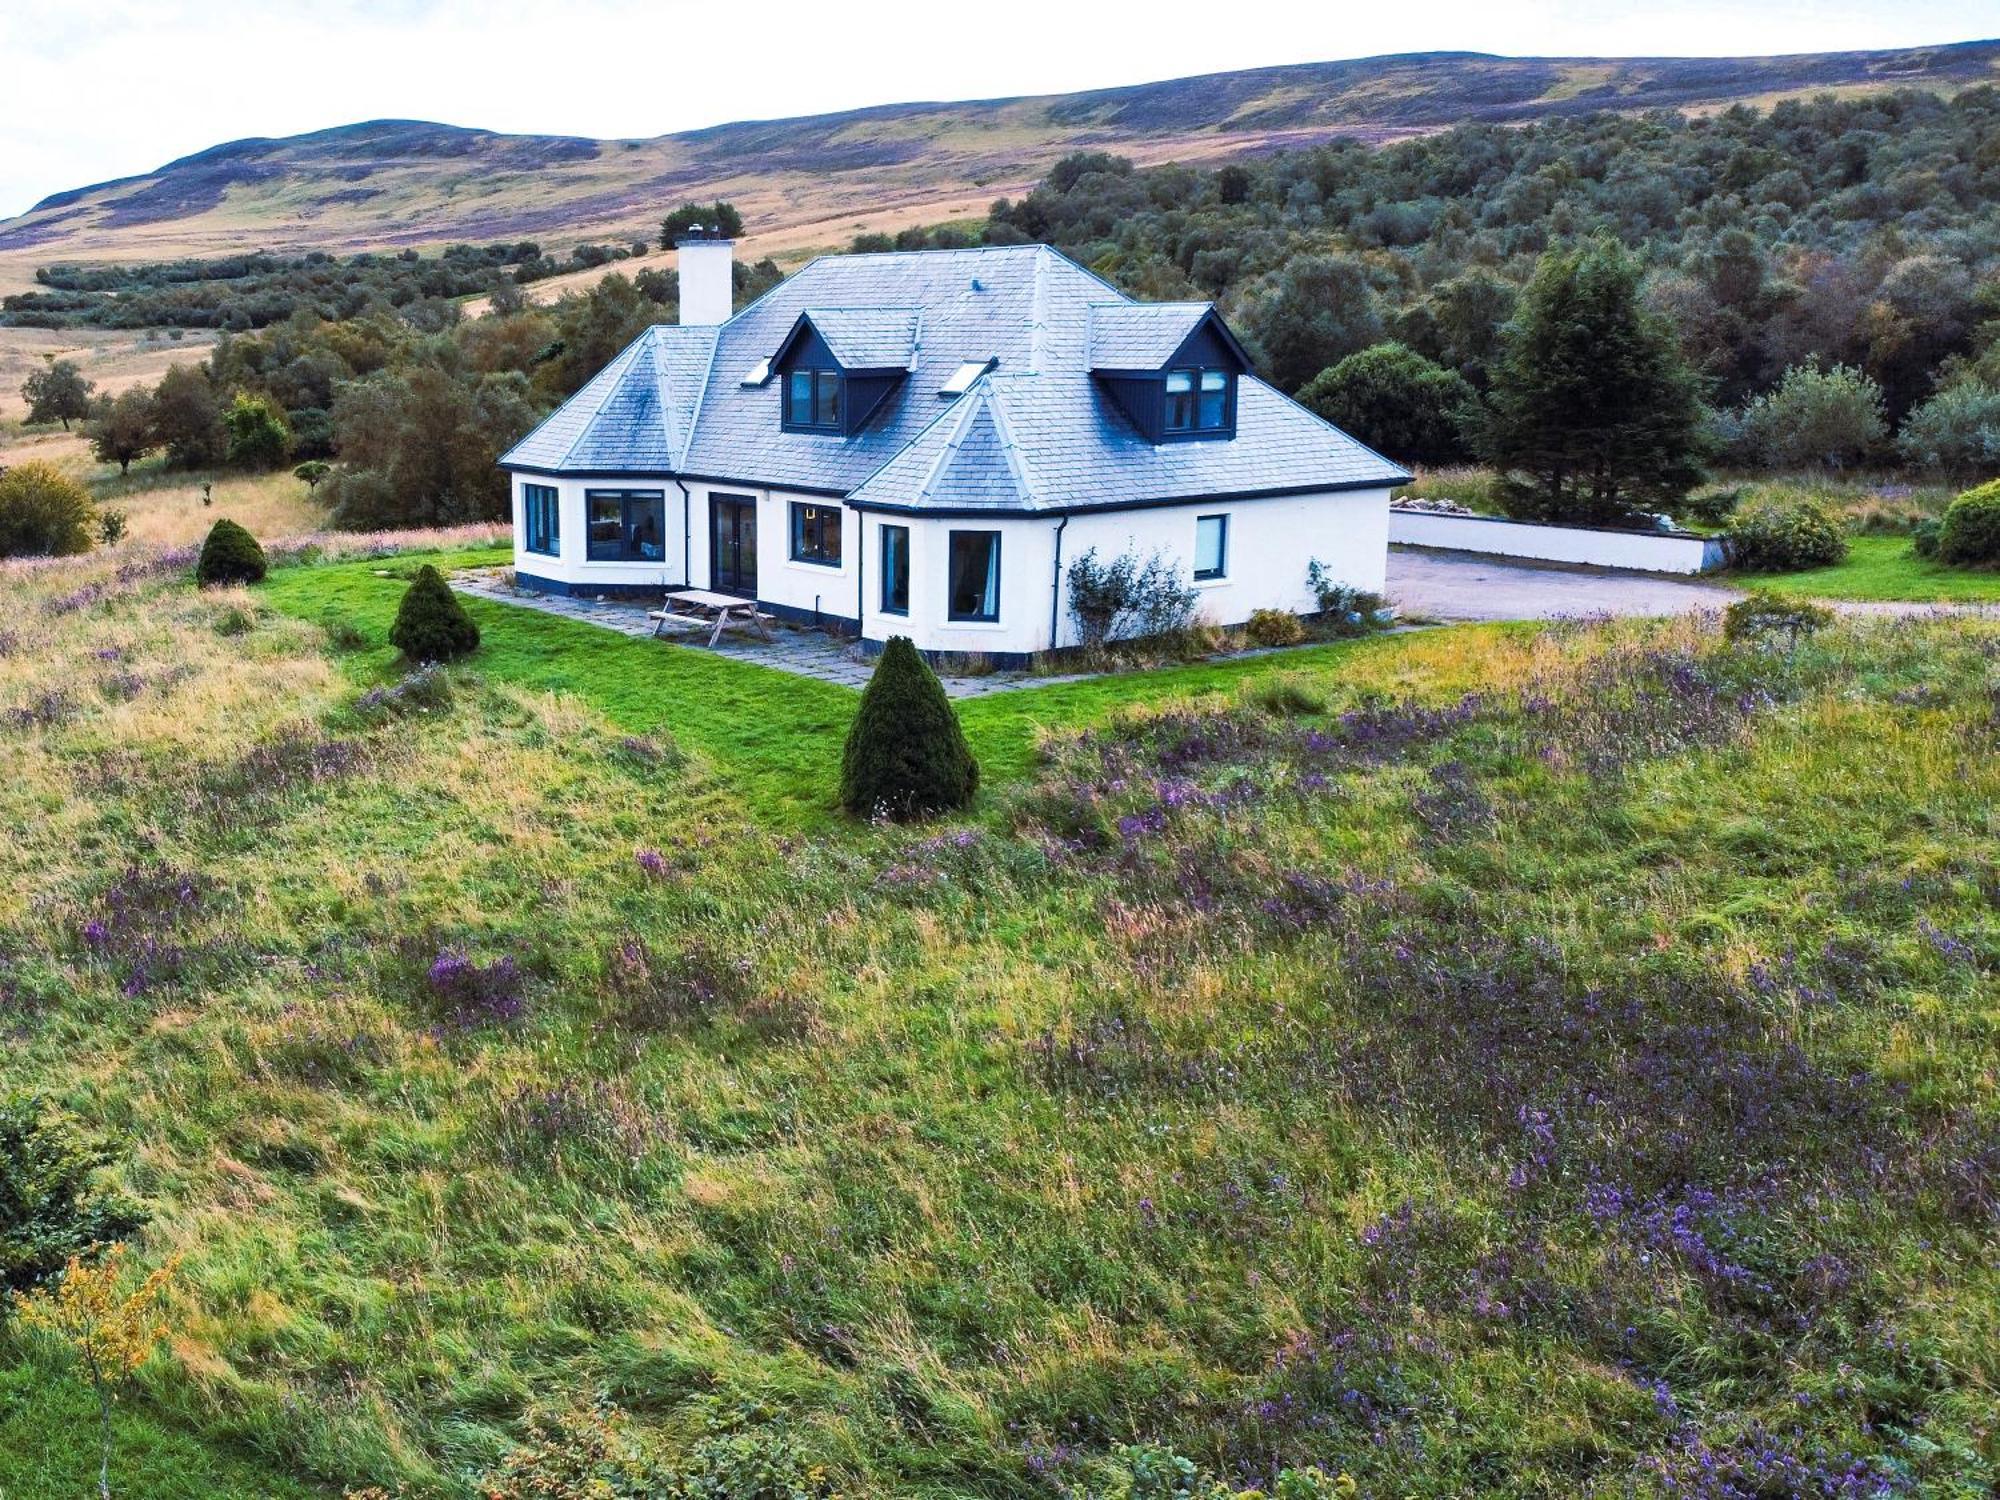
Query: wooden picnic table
703, 607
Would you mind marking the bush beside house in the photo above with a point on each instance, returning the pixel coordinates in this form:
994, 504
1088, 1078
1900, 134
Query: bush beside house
1785, 534
431, 625
906, 756
1969, 536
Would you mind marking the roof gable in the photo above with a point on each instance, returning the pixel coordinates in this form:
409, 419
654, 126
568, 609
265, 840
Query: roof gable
1133, 337
861, 340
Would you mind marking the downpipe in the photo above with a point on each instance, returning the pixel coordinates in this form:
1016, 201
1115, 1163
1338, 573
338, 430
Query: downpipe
1055, 586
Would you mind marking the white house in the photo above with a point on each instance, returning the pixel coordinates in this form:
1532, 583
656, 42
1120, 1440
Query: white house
920, 443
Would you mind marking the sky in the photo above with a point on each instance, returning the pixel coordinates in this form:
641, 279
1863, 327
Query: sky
115, 88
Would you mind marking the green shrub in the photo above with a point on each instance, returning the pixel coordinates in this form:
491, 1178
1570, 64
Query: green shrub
50, 1207
1784, 534
257, 435
43, 513
431, 625
1924, 539
112, 526
229, 554
906, 756
1275, 627
1760, 616
1397, 402
1125, 599
1816, 418
1955, 432
1969, 536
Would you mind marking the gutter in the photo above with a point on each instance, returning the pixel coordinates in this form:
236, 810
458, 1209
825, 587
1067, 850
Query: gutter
687, 535
1055, 585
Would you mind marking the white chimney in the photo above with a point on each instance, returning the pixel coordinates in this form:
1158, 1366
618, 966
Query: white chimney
708, 280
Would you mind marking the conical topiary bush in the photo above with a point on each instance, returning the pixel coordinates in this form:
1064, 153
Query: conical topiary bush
229, 554
906, 757
431, 625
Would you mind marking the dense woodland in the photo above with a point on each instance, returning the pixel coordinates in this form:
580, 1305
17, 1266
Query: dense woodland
1823, 272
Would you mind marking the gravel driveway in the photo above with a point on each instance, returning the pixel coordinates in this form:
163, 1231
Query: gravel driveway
1459, 586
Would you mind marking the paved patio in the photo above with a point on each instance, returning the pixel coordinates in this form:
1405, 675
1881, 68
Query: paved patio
808, 653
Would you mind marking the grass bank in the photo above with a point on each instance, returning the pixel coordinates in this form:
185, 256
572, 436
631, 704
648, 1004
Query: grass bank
1506, 1061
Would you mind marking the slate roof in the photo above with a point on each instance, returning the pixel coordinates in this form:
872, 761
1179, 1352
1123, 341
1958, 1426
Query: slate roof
1033, 434
635, 415
869, 338
1140, 335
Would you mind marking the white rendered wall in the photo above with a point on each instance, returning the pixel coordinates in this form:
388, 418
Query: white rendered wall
1270, 543
570, 564
1652, 552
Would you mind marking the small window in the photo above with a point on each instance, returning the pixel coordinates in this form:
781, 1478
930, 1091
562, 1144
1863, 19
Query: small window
757, 374
1211, 547
625, 525
812, 400
541, 519
1197, 401
816, 534
895, 570
961, 379
973, 583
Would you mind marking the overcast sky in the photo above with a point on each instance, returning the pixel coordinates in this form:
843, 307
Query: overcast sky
110, 88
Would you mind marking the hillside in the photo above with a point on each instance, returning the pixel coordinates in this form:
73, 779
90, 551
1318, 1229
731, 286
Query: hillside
1531, 1062
816, 180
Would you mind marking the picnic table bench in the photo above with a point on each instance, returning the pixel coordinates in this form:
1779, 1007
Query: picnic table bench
699, 607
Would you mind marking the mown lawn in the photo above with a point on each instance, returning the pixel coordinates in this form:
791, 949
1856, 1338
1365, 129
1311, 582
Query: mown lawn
779, 733
1518, 1061
1883, 567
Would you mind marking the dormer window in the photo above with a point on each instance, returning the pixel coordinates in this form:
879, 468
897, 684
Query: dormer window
1197, 401
812, 400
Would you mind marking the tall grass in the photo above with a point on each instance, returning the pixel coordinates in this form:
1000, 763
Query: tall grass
1501, 1061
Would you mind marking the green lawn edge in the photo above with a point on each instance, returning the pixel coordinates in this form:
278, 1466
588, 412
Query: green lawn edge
776, 735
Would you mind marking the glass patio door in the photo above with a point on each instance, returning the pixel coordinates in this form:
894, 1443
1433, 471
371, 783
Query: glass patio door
732, 545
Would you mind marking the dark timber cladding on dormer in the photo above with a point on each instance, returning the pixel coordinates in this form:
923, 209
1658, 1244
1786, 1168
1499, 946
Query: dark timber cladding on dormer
862, 391
1142, 393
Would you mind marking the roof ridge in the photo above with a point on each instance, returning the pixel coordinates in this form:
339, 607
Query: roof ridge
949, 450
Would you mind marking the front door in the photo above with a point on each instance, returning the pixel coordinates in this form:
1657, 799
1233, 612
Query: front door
732, 545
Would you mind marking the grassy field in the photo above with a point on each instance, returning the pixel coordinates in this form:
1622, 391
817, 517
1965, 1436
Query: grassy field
1499, 1060
1884, 568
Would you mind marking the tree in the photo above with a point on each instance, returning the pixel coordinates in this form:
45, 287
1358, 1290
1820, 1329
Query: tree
1319, 310
717, 220
311, 472
108, 1335
1396, 401
229, 554
1956, 432
57, 393
1593, 413
257, 435
43, 512
1816, 419
906, 756
431, 625
1458, 323
186, 418
120, 428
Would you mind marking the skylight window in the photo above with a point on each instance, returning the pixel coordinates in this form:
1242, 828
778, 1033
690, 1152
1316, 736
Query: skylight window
962, 378
758, 373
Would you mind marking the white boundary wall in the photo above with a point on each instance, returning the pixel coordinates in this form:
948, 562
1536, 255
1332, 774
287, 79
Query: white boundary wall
1642, 551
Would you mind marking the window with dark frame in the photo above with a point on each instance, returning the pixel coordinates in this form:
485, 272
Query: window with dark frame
1197, 401
1211, 547
625, 525
973, 576
895, 570
816, 534
541, 519
812, 400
